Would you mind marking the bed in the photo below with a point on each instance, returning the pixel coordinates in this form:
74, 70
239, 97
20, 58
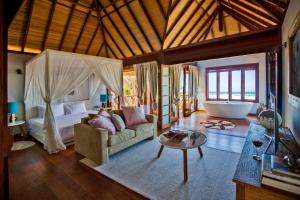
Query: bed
66, 116
64, 123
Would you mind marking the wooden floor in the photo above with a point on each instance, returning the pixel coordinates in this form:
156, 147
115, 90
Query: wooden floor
36, 175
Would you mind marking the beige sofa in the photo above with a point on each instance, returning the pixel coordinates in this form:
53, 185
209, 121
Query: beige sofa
97, 145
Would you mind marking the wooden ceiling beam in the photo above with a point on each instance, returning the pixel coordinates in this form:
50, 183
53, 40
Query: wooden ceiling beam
278, 3
142, 58
113, 53
27, 26
67, 25
187, 22
205, 33
196, 23
127, 27
175, 5
101, 26
221, 18
150, 21
161, 9
269, 7
179, 16
49, 22
82, 28
232, 45
225, 26
122, 6
166, 24
252, 9
88, 9
245, 13
100, 48
113, 40
118, 31
139, 25
203, 26
241, 19
92, 39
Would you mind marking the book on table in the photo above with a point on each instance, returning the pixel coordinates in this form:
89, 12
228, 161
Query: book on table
276, 174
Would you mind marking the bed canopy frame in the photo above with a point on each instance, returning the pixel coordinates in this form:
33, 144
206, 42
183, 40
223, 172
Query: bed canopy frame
52, 75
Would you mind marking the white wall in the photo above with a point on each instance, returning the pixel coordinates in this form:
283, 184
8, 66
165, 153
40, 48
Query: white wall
251, 58
16, 81
16, 85
288, 113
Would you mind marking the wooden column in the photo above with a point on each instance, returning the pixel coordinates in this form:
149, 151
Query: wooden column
5, 138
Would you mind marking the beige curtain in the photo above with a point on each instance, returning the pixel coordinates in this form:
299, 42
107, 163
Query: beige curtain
153, 82
143, 71
175, 75
141, 78
193, 82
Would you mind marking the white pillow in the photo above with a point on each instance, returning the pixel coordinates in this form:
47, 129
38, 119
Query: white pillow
41, 111
58, 109
75, 108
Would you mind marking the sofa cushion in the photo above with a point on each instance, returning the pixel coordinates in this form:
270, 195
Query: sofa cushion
118, 122
134, 115
120, 137
100, 121
142, 129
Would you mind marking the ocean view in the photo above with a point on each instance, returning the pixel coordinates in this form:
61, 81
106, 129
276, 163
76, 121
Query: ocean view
235, 95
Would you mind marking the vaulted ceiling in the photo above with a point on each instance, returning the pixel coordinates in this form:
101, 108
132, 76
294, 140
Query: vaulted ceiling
126, 28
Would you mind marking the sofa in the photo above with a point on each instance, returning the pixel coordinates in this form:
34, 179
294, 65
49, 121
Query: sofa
97, 144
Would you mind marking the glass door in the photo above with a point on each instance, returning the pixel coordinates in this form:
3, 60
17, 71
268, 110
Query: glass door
165, 119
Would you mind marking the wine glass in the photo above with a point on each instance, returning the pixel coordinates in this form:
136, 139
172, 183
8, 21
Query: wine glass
257, 143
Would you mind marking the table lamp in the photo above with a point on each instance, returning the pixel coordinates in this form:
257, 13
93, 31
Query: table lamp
12, 108
103, 99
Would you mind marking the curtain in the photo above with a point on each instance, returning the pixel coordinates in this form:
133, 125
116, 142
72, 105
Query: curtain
94, 84
175, 75
153, 82
63, 74
143, 71
109, 72
193, 82
32, 94
141, 78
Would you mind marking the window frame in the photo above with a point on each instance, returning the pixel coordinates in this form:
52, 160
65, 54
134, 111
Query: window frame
229, 69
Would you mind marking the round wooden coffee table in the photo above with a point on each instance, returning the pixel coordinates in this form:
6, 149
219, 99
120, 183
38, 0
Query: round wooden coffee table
193, 139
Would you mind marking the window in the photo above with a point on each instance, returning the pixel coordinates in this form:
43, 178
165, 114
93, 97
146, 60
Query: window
235, 83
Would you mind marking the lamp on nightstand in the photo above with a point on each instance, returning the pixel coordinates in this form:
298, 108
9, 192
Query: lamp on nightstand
12, 108
103, 100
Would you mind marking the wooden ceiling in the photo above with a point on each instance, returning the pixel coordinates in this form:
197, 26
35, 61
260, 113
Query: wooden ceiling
127, 28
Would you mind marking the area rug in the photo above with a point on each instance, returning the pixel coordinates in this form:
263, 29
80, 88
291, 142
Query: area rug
137, 168
218, 124
21, 145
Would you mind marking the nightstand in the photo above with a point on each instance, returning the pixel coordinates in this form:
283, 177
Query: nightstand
20, 125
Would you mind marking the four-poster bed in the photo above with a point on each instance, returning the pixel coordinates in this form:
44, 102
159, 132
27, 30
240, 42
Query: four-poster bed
54, 74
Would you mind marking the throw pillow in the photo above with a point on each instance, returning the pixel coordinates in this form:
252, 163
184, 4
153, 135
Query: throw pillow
58, 109
118, 122
134, 115
74, 108
100, 121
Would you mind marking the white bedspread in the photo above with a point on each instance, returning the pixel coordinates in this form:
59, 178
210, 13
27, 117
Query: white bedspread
64, 123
